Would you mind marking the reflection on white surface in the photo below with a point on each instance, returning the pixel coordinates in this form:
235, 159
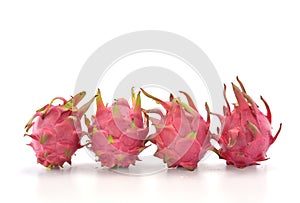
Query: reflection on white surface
213, 181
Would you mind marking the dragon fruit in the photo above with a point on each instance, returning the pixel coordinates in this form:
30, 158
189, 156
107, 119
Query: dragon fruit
182, 136
245, 134
117, 133
56, 130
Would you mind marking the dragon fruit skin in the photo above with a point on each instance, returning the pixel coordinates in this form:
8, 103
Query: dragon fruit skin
117, 133
182, 136
245, 132
56, 130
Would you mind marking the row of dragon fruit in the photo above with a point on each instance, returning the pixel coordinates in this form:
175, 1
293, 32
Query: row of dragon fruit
119, 132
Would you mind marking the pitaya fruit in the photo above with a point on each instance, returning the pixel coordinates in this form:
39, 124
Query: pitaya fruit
117, 133
182, 136
245, 134
56, 130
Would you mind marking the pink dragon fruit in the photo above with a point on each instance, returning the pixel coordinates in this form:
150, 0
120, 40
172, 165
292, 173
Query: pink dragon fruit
117, 133
182, 136
56, 131
245, 132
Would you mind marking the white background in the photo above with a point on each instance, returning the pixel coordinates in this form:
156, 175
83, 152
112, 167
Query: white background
43, 46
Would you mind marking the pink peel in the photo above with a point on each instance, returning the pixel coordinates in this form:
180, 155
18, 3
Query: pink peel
245, 134
182, 136
118, 132
56, 130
